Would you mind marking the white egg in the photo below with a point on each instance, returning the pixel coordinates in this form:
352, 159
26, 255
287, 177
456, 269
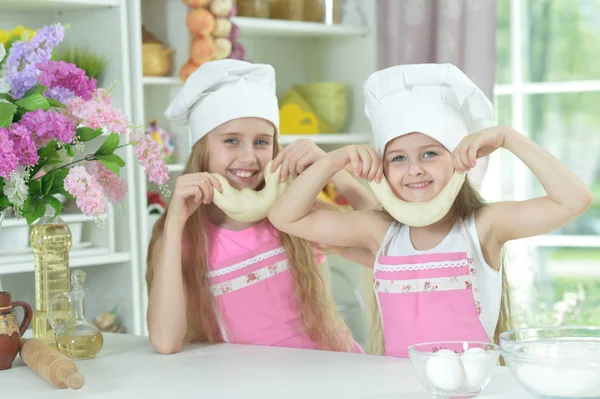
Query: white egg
477, 365
444, 371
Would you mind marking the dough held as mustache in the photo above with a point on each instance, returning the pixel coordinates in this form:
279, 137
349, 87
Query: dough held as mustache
247, 205
418, 214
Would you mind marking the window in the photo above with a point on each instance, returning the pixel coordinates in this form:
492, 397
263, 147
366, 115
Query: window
548, 88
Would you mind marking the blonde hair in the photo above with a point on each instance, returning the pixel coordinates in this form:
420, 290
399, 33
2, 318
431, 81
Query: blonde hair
318, 316
467, 202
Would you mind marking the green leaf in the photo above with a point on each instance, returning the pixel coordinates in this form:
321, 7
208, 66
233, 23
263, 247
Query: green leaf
4, 202
33, 209
49, 150
35, 187
34, 102
55, 103
55, 204
7, 97
37, 89
7, 113
58, 185
87, 133
112, 166
69, 149
113, 158
109, 146
47, 182
53, 162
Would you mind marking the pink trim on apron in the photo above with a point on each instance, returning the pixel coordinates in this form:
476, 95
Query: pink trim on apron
429, 297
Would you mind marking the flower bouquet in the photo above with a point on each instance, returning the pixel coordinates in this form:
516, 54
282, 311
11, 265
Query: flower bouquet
48, 115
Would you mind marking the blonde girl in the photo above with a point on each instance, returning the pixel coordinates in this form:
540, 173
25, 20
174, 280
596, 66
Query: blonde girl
439, 278
212, 278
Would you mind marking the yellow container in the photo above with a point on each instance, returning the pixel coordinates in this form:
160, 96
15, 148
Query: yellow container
297, 116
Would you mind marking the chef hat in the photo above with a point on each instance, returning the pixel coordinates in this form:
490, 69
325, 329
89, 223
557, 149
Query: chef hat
220, 91
438, 100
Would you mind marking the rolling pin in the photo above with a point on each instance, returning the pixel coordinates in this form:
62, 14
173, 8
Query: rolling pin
51, 365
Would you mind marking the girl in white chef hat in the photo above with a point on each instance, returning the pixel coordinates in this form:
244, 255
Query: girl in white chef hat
438, 245
217, 270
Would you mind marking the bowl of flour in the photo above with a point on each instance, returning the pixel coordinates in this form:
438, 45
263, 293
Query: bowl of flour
555, 362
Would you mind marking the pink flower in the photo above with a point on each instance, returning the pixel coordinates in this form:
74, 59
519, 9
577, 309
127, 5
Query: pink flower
150, 157
48, 125
97, 113
114, 187
8, 159
24, 146
60, 74
87, 191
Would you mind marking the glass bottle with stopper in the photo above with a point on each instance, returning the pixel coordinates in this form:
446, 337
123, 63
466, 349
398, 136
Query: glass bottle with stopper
76, 337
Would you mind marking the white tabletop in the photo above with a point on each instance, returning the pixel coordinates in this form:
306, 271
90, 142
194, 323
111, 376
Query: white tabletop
128, 367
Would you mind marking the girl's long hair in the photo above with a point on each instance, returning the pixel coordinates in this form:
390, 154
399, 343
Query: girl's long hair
318, 316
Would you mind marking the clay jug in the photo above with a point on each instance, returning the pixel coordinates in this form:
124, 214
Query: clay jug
10, 334
156, 60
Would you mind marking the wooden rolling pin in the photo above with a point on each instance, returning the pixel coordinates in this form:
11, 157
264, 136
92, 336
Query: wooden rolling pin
50, 364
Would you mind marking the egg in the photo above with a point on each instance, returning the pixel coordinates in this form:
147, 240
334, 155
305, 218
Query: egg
444, 370
477, 365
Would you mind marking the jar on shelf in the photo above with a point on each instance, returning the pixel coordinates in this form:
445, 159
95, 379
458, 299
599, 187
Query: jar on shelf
287, 9
253, 8
324, 11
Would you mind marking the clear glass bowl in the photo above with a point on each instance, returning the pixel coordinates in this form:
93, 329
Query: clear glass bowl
555, 362
449, 369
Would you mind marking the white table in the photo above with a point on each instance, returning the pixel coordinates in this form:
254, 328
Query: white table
128, 367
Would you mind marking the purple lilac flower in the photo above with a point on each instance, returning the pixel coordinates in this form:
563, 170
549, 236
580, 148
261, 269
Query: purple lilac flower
8, 159
49, 125
24, 146
59, 94
55, 74
24, 55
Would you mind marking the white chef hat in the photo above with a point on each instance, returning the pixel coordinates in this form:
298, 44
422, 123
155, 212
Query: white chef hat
223, 90
438, 100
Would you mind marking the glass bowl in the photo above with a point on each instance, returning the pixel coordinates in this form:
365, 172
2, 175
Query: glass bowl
454, 368
555, 362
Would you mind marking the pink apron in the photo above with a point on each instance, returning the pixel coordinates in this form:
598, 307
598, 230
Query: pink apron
255, 301
428, 297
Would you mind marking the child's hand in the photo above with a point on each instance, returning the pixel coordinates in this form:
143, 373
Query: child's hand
296, 158
361, 160
475, 146
190, 191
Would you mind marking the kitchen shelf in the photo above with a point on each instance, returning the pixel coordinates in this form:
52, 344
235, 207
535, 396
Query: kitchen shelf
68, 218
329, 138
77, 258
55, 5
161, 81
271, 27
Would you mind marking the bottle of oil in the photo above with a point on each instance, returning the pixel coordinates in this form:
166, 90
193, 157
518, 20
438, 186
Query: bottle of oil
76, 337
51, 241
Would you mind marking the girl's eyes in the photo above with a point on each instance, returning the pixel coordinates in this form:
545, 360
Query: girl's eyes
258, 142
427, 154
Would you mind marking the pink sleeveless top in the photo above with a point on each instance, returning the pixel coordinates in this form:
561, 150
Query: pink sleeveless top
253, 288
